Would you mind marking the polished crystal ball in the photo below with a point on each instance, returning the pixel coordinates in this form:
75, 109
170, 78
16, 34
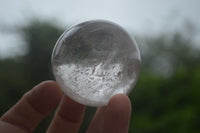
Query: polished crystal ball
94, 60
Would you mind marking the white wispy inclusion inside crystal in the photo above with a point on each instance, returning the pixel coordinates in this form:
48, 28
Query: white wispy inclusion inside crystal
95, 84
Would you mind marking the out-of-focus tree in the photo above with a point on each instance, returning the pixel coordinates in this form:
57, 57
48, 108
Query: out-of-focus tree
40, 38
165, 99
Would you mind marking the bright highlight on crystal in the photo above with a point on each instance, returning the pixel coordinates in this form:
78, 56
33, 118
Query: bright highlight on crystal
95, 60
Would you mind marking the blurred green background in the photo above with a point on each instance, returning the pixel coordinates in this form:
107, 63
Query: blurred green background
165, 99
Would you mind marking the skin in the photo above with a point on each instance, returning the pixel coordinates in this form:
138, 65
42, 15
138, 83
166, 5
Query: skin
36, 104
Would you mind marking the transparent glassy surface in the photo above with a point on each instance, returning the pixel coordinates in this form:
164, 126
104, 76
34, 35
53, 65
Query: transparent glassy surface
95, 60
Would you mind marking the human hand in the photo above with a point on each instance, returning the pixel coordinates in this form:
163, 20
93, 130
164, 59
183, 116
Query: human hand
36, 104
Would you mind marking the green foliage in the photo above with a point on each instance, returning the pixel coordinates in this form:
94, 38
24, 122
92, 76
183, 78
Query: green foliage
165, 99
41, 38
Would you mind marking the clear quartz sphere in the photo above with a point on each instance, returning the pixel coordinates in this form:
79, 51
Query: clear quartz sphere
94, 60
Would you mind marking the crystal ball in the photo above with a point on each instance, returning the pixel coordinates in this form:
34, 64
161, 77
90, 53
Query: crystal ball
94, 60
